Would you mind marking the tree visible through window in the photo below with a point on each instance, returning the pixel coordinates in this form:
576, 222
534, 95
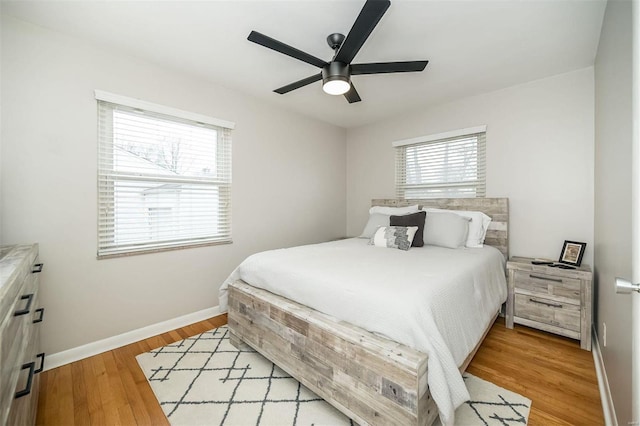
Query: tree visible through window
164, 181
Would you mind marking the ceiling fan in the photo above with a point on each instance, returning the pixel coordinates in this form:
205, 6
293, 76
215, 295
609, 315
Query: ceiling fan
336, 74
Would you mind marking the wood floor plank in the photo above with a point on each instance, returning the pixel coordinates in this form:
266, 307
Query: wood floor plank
120, 400
42, 398
155, 342
142, 415
52, 397
550, 370
65, 395
109, 408
126, 415
175, 336
80, 405
157, 417
183, 334
540, 418
94, 401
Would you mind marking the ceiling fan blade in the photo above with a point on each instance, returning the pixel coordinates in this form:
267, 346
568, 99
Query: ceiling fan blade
279, 46
352, 95
369, 16
385, 67
298, 84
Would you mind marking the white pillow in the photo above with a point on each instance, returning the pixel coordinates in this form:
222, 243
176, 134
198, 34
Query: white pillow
376, 220
477, 227
379, 216
445, 229
399, 237
396, 211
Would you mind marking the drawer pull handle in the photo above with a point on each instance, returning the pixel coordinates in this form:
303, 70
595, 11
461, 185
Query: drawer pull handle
41, 356
551, 305
27, 308
27, 390
37, 268
41, 310
538, 277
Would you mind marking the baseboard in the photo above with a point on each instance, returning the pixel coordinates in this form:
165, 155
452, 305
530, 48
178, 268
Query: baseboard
94, 348
603, 383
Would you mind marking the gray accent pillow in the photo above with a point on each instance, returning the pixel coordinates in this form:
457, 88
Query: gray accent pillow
446, 230
376, 220
399, 237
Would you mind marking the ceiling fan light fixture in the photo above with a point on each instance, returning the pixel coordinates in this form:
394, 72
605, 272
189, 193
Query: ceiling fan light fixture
335, 78
337, 86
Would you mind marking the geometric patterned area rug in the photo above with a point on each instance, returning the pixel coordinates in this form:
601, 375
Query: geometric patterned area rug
204, 380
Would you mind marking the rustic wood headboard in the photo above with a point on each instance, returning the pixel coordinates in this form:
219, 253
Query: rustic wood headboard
496, 208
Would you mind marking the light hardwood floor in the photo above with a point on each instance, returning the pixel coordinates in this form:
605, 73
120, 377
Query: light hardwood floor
110, 389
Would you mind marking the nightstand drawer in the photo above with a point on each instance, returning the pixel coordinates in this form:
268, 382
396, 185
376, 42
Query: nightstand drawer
552, 312
548, 285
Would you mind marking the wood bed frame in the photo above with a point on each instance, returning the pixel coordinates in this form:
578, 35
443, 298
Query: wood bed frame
370, 379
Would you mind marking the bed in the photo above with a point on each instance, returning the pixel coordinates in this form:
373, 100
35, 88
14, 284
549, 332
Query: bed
319, 337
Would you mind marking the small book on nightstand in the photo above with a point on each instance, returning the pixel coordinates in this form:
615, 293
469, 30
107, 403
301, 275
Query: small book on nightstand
551, 264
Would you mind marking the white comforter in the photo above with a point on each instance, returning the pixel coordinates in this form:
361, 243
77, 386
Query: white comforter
433, 299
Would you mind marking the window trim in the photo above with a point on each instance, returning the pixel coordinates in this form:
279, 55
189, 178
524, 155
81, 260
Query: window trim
438, 136
160, 246
101, 95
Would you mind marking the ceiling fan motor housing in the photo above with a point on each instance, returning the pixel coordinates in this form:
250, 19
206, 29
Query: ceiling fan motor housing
335, 71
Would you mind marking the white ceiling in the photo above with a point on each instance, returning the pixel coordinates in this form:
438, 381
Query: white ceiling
473, 46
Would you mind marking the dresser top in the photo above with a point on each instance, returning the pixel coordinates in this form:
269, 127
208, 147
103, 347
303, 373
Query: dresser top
524, 264
11, 260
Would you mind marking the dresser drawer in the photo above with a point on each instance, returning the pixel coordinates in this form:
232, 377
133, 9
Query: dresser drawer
23, 411
547, 311
537, 283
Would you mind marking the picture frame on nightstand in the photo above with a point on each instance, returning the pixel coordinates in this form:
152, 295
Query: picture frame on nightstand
572, 253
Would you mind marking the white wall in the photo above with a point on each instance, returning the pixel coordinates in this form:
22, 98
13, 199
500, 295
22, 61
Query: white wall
539, 155
288, 184
613, 140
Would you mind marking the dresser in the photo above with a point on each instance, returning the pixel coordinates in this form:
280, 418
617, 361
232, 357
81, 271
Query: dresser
551, 299
20, 318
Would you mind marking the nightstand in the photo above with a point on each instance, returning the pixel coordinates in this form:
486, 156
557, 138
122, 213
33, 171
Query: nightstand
551, 299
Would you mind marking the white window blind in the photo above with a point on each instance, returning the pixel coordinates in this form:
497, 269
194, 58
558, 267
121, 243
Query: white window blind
442, 166
163, 181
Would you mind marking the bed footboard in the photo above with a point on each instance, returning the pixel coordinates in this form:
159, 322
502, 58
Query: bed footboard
370, 379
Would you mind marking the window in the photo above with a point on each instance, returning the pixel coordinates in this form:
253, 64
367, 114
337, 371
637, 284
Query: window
445, 165
164, 177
